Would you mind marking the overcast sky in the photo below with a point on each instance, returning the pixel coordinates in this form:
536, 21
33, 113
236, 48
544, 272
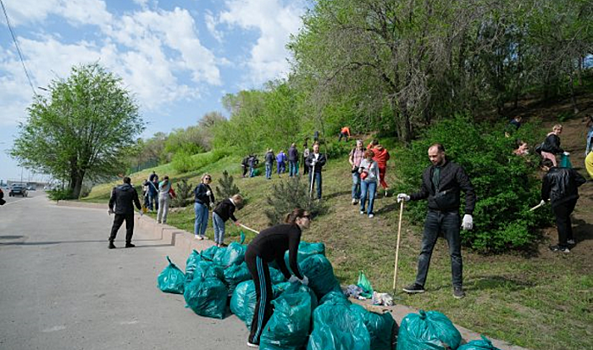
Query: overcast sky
177, 57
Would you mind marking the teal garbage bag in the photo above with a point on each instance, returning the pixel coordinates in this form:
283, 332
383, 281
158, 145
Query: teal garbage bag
280, 288
306, 249
235, 274
190, 265
288, 328
171, 280
213, 254
381, 327
565, 161
335, 297
429, 330
234, 254
321, 275
205, 269
243, 301
206, 297
335, 327
276, 276
482, 344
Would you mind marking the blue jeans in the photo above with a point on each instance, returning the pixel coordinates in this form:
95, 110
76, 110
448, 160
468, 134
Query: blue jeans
218, 228
317, 182
293, 168
281, 167
449, 224
201, 223
355, 185
368, 190
153, 201
251, 171
268, 170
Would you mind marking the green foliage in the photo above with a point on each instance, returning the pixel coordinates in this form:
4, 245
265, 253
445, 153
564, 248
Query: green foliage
227, 186
184, 194
84, 129
60, 194
289, 194
505, 184
182, 162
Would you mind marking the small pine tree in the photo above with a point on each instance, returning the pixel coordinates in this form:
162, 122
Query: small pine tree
290, 194
227, 187
184, 194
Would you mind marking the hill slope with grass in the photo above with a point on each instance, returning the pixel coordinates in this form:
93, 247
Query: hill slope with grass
535, 299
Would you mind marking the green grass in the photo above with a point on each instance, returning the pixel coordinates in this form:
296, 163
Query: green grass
541, 302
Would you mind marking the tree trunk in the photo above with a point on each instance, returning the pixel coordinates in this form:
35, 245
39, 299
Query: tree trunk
573, 95
77, 181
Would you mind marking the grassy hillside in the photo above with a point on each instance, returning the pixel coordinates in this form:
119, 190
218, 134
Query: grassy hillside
539, 300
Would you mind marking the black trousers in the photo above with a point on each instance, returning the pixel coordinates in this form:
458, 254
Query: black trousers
118, 221
564, 225
260, 271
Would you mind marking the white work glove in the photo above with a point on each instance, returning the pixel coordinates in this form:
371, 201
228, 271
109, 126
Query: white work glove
211, 205
542, 203
402, 197
566, 153
293, 279
305, 281
468, 222
208, 193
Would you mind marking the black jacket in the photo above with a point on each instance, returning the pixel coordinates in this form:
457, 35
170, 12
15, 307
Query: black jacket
270, 157
552, 144
293, 154
124, 197
319, 164
446, 198
200, 195
272, 243
561, 185
226, 210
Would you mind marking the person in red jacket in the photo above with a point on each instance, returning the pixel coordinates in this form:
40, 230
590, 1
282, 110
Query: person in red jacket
381, 157
344, 132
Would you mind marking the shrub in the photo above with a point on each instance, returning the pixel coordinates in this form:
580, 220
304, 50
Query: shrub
182, 162
184, 194
289, 194
227, 186
505, 184
60, 194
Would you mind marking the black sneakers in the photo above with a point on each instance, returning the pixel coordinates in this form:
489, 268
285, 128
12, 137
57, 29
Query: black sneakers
557, 248
130, 245
414, 288
111, 245
458, 292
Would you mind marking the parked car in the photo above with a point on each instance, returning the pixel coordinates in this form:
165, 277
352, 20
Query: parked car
18, 190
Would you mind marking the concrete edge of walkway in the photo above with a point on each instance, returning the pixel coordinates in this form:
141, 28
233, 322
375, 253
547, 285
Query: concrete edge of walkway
181, 239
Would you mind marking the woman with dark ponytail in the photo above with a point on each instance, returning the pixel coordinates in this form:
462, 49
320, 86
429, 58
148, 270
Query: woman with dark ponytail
270, 245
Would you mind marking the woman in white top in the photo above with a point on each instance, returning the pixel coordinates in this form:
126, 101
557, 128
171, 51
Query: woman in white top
164, 188
369, 176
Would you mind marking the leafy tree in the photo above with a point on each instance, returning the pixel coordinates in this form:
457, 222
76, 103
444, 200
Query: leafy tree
83, 130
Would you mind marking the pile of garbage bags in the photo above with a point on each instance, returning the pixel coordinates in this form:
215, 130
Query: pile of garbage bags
318, 316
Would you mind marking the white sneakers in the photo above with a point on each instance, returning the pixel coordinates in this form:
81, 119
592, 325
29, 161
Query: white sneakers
354, 201
371, 216
251, 345
198, 237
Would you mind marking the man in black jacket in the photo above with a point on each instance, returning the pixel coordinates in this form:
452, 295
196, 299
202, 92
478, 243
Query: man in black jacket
441, 184
124, 197
315, 161
560, 186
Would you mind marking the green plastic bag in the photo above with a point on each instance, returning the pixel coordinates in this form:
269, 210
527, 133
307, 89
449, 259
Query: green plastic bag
190, 265
365, 284
171, 280
427, 331
306, 249
276, 276
235, 274
321, 275
335, 297
234, 254
206, 297
380, 327
335, 327
289, 325
211, 253
206, 269
483, 344
565, 161
243, 301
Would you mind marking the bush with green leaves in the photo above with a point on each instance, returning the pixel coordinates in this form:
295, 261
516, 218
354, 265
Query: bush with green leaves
182, 162
289, 194
227, 186
506, 185
60, 194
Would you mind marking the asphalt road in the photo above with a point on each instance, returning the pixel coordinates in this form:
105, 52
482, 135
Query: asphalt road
61, 288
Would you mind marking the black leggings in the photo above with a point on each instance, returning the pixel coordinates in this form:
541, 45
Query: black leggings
260, 272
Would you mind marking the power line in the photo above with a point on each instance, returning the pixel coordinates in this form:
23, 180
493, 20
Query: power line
18, 49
